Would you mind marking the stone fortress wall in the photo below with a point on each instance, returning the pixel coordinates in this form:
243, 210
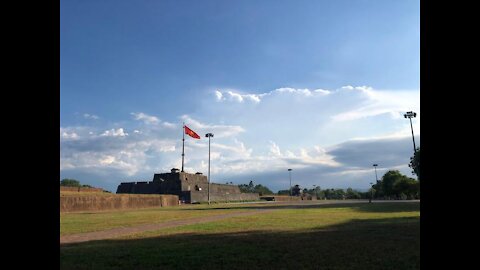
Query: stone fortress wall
189, 187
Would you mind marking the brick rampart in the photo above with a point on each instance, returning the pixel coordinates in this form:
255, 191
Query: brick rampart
86, 202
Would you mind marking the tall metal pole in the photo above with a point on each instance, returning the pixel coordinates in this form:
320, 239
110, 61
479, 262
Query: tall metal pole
208, 169
183, 144
290, 175
410, 115
413, 137
371, 192
376, 179
209, 135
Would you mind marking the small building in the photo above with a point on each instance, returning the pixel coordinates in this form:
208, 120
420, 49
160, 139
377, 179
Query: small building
190, 188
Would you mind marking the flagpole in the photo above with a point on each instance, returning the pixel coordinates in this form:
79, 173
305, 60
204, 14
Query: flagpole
183, 143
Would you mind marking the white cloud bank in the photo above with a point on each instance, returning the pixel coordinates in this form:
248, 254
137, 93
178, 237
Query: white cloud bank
326, 136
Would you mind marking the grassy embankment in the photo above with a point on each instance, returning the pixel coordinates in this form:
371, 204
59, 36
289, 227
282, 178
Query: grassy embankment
346, 236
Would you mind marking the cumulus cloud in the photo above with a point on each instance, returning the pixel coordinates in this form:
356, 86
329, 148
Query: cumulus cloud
126, 155
219, 95
366, 101
274, 149
374, 103
237, 96
115, 133
147, 119
90, 116
73, 133
66, 135
344, 165
219, 131
257, 136
169, 125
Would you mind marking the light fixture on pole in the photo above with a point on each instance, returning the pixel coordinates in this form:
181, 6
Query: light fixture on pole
375, 166
371, 192
209, 135
409, 115
290, 175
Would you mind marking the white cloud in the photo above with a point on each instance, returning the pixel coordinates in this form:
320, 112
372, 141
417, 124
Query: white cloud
114, 133
274, 149
347, 87
114, 150
169, 125
219, 95
375, 102
90, 116
235, 95
128, 163
231, 95
107, 160
66, 135
147, 119
324, 135
219, 131
73, 133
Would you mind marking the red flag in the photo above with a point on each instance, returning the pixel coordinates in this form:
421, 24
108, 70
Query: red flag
191, 133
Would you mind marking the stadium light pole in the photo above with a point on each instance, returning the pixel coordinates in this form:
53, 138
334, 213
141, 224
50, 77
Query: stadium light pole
209, 135
409, 115
375, 166
371, 192
290, 176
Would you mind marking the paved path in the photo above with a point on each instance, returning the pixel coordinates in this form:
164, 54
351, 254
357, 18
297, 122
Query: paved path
116, 232
122, 231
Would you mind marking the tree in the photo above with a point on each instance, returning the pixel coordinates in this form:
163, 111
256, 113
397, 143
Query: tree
251, 188
352, 194
244, 188
415, 163
247, 188
320, 194
70, 183
328, 193
262, 190
388, 182
407, 186
378, 189
394, 184
296, 190
339, 194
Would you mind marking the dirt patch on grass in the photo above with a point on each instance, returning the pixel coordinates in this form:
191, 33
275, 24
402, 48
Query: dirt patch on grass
117, 232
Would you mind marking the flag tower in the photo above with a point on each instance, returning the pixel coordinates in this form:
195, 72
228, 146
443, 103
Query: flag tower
183, 143
191, 133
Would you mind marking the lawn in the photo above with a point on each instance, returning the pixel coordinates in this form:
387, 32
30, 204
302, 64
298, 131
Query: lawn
72, 223
343, 236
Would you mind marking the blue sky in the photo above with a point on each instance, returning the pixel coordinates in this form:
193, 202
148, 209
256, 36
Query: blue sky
317, 86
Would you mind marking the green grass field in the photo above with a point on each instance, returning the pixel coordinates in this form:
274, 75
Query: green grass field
71, 223
343, 236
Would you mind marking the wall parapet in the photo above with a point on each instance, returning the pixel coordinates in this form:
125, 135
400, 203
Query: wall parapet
85, 202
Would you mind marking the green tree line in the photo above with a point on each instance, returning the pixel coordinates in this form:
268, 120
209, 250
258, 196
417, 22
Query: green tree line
395, 185
67, 182
252, 188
